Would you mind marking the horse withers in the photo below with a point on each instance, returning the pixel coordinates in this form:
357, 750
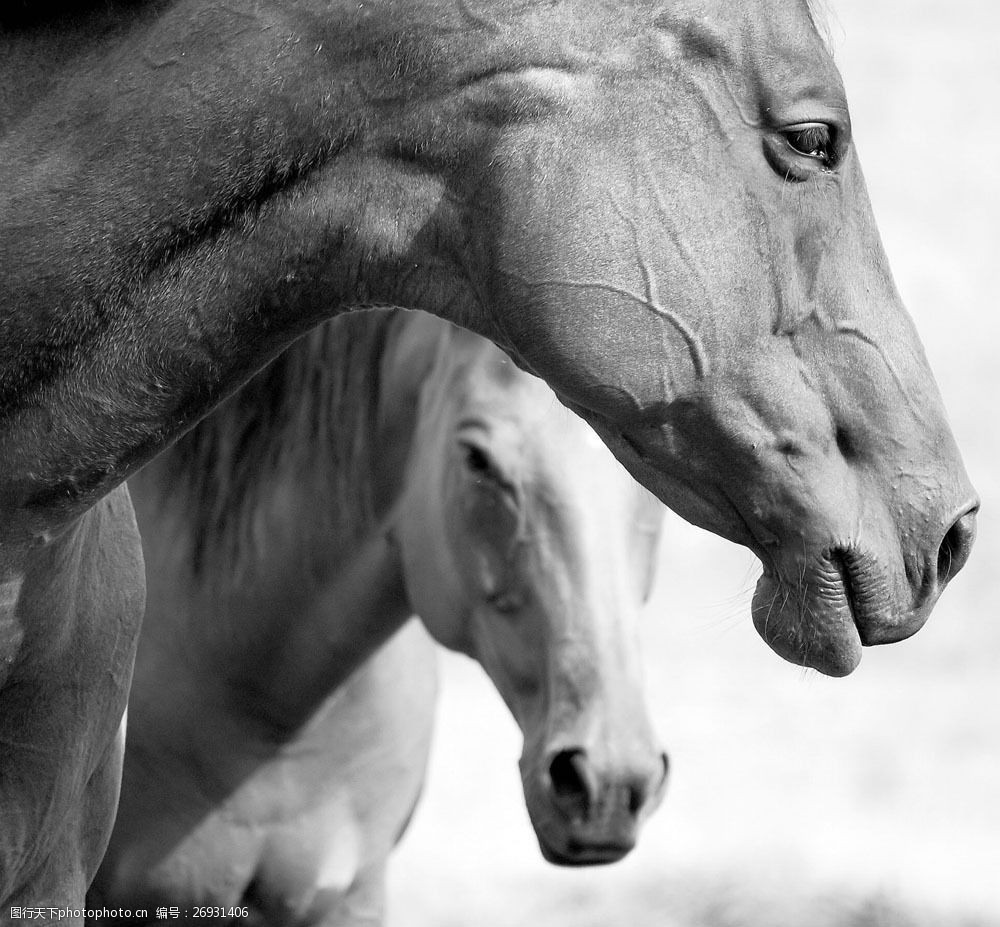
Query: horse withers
272, 758
655, 206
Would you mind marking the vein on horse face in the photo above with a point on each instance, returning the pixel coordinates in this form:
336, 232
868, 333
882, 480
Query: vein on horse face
650, 284
705, 289
696, 350
476, 19
852, 329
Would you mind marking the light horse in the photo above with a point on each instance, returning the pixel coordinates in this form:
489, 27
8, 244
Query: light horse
654, 205
258, 770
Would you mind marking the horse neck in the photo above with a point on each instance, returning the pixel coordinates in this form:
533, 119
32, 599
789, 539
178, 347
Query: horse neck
365, 591
363, 224
283, 624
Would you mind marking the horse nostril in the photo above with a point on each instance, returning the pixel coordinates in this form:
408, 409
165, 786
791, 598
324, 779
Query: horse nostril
640, 794
956, 546
574, 787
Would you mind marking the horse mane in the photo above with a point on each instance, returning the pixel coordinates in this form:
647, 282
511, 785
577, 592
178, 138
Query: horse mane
819, 13
316, 402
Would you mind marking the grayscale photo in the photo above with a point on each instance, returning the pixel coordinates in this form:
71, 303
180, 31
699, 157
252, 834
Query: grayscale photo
499, 463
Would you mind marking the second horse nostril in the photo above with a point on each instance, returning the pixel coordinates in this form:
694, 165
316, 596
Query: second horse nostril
639, 794
956, 546
572, 782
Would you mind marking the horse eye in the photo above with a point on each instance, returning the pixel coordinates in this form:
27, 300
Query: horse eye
484, 469
507, 603
811, 140
477, 460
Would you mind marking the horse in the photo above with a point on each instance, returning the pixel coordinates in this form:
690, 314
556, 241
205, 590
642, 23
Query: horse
272, 759
654, 205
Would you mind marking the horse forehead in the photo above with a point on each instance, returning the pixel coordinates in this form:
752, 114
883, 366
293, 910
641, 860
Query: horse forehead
485, 385
479, 373
733, 24
768, 39
435, 38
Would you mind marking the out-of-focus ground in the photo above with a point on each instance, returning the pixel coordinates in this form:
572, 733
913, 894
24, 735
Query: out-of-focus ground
794, 799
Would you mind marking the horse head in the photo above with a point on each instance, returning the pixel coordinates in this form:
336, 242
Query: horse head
527, 546
684, 249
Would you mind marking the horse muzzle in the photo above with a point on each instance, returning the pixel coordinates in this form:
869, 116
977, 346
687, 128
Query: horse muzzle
821, 613
586, 813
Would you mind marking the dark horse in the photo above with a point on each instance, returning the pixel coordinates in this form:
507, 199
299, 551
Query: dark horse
654, 205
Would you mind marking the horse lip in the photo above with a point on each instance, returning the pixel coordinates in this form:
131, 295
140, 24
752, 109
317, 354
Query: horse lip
836, 603
852, 575
577, 853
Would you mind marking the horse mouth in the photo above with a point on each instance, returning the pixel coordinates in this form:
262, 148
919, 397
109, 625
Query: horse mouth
854, 576
815, 610
835, 606
575, 852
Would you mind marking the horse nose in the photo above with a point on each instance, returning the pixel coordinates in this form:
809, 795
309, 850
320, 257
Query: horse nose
577, 788
955, 547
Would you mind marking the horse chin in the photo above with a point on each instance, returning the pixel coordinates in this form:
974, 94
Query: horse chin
806, 627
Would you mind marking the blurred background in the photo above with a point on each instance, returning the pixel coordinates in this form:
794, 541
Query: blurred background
870, 801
